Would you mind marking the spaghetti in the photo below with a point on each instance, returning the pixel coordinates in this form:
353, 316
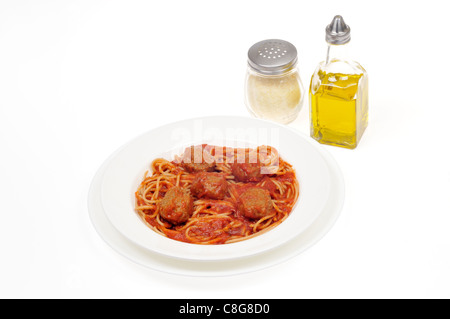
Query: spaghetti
217, 195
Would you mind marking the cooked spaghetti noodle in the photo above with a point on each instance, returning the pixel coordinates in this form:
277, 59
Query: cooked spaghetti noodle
225, 195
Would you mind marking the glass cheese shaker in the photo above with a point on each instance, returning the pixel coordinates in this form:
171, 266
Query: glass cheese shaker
273, 88
338, 92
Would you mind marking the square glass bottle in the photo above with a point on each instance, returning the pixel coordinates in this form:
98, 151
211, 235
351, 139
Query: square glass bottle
338, 93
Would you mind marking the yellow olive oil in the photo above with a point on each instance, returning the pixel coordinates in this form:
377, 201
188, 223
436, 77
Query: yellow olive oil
339, 108
338, 92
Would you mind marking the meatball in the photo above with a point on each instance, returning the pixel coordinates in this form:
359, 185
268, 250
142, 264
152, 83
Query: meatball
255, 203
177, 206
247, 172
209, 185
195, 160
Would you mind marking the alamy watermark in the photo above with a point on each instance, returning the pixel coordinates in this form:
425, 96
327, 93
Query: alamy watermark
252, 144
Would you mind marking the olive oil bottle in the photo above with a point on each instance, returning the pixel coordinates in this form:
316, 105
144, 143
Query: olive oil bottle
338, 93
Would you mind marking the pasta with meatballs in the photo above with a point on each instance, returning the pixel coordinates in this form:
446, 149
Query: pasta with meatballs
217, 195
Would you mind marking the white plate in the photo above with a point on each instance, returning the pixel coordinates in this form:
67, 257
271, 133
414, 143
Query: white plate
125, 170
158, 262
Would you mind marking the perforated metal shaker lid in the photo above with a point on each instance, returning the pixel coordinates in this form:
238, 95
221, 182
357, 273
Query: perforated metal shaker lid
272, 57
337, 32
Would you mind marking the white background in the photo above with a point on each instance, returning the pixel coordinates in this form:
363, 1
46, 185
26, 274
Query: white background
80, 78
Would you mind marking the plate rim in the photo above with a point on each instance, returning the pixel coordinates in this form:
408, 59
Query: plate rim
193, 250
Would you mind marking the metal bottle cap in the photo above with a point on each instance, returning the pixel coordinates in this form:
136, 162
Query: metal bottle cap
337, 32
272, 57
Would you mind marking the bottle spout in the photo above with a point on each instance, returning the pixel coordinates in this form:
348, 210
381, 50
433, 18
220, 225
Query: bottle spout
337, 32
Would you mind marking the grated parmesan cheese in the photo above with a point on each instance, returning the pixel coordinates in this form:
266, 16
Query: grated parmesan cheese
274, 97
